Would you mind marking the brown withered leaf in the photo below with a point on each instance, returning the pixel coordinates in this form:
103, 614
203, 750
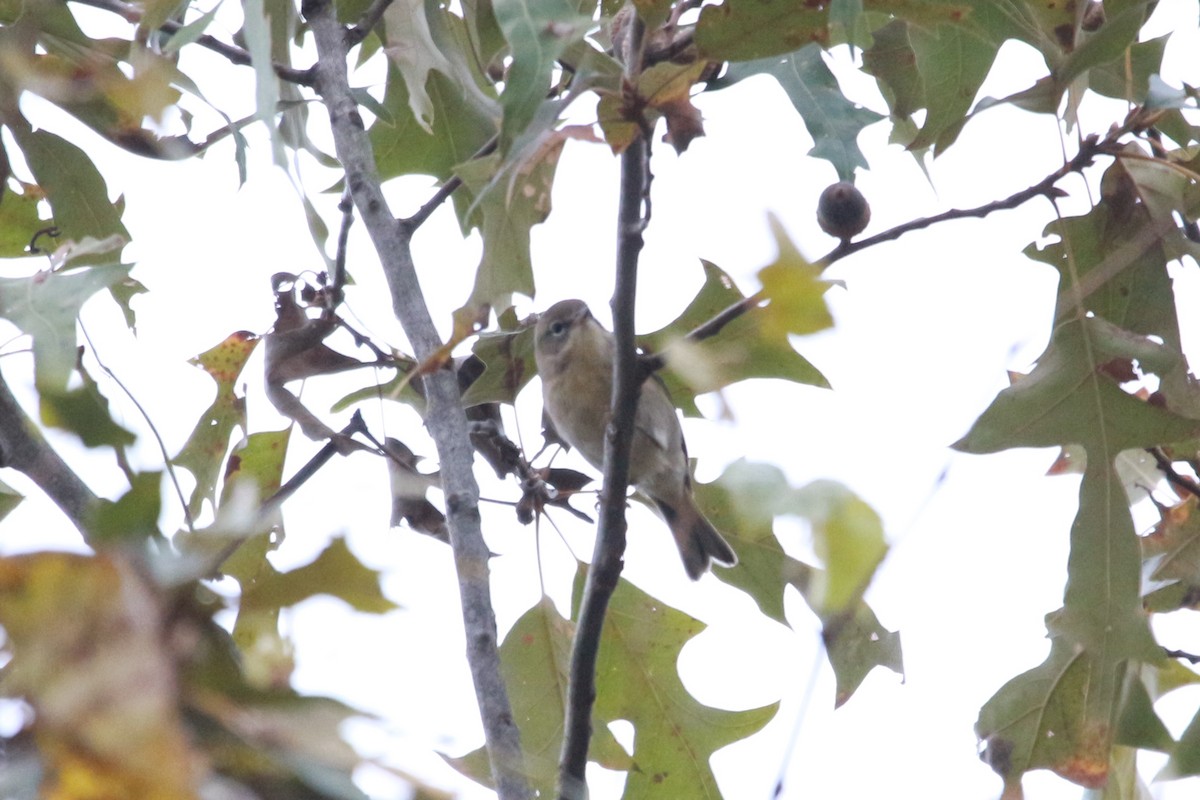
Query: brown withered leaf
550, 486
409, 486
295, 350
684, 123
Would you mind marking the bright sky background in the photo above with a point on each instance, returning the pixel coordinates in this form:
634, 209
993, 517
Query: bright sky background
926, 329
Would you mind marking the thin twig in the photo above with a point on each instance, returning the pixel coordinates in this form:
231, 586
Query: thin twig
607, 558
444, 416
708, 329
272, 504
235, 54
1091, 147
162, 447
338, 282
445, 190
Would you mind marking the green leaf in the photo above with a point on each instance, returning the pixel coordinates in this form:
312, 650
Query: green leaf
891, 59
534, 660
1145, 59
204, 452
410, 47
461, 125
76, 191
10, 498
19, 220
336, 572
1107, 45
84, 412
1139, 726
508, 366
637, 680
833, 121
133, 517
743, 504
1066, 400
538, 31
745, 348
190, 32
745, 30
512, 197
1114, 259
257, 32
1185, 758
256, 464
45, 306
400, 388
952, 61
1062, 715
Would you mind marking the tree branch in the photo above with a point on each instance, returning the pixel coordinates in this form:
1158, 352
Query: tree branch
446, 189
607, 558
235, 54
24, 449
1089, 149
445, 418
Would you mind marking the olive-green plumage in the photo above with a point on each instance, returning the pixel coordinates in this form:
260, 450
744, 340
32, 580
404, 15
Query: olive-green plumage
575, 360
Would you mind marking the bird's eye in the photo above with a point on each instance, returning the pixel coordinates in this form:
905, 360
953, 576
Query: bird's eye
558, 328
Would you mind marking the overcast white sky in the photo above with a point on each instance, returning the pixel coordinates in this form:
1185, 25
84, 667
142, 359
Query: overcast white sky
926, 329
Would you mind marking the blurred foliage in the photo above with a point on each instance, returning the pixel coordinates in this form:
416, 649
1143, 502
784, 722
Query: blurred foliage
132, 687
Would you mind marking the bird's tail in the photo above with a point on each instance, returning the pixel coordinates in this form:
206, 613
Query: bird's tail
698, 541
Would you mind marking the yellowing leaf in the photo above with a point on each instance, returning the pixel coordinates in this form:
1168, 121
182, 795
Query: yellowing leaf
205, 449
88, 655
795, 289
848, 538
748, 347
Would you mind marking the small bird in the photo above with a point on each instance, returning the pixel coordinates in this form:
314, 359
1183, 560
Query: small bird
575, 356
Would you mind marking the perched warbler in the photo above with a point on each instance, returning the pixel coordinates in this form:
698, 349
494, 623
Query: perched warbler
575, 360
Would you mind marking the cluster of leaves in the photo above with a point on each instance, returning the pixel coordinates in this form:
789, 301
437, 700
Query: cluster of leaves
476, 97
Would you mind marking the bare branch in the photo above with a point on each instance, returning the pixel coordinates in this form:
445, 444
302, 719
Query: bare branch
446, 189
235, 54
24, 449
1089, 149
445, 418
607, 558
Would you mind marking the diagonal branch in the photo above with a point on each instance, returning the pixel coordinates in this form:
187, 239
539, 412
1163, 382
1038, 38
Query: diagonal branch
22, 448
445, 418
1091, 147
